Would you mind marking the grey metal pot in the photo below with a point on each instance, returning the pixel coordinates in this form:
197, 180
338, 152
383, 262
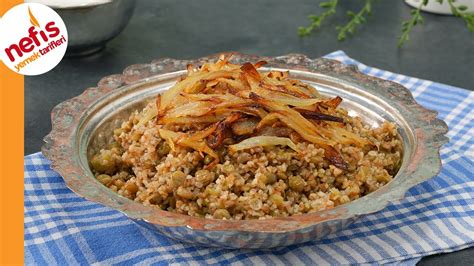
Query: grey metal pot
92, 25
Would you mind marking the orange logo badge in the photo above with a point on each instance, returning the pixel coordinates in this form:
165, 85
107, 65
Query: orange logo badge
31, 48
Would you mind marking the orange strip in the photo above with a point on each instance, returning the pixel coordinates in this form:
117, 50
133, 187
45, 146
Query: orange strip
11, 160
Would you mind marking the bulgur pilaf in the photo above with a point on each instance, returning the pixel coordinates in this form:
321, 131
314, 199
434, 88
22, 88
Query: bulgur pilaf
229, 142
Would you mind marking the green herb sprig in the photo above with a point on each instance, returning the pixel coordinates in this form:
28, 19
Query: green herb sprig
359, 18
316, 21
408, 25
356, 19
459, 11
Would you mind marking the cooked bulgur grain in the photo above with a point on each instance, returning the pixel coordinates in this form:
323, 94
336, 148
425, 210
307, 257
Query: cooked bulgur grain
250, 184
291, 176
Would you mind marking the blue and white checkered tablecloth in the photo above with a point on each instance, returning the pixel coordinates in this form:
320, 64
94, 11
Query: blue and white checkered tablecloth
436, 216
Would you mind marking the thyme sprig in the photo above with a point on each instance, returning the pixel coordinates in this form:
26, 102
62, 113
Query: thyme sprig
408, 25
356, 19
459, 11
316, 21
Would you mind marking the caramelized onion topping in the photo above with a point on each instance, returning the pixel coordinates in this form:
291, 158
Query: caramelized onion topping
221, 100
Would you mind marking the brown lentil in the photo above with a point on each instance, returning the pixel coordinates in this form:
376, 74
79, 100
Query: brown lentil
248, 184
